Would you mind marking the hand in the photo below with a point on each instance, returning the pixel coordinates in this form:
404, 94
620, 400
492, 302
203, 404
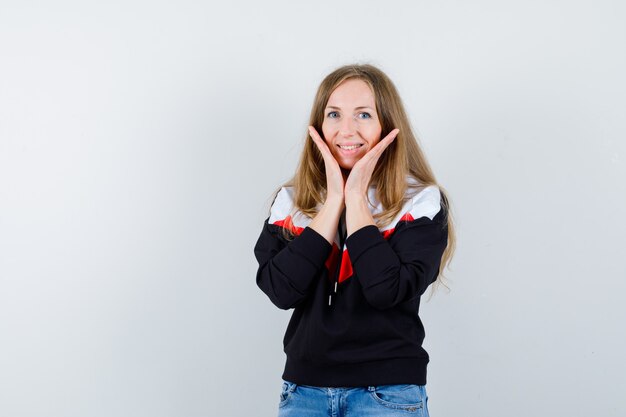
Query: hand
334, 178
360, 175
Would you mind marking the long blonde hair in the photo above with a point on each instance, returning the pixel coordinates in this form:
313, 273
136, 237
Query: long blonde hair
403, 157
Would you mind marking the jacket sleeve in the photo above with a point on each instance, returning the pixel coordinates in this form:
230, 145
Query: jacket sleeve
287, 269
401, 268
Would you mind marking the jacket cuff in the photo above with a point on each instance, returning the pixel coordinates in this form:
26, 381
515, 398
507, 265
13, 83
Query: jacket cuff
312, 246
363, 240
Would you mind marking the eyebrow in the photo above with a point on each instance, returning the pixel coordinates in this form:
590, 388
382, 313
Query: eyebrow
356, 108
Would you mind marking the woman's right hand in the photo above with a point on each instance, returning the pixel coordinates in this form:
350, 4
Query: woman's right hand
334, 177
326, 220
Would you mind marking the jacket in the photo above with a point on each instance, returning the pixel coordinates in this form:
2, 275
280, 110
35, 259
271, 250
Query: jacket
355, 319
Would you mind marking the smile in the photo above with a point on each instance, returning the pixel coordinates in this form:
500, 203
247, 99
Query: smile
351, 147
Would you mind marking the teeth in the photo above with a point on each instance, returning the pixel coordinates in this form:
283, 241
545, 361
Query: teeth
348, 148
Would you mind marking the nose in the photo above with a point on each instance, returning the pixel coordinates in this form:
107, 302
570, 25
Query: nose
348, 127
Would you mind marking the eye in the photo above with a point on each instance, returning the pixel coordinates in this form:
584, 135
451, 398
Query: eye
332, 115
364, 115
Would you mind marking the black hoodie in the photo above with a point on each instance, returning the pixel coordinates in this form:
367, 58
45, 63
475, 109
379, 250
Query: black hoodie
355, 320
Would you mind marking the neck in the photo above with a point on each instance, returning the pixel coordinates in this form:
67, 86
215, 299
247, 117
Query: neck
345, 173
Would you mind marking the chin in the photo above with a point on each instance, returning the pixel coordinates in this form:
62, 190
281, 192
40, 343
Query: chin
346, 163
347, 166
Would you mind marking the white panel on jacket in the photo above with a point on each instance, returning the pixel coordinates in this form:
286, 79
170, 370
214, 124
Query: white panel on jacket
426, 202
283, 207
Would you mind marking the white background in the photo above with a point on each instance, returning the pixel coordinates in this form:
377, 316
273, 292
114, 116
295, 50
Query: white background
140, 143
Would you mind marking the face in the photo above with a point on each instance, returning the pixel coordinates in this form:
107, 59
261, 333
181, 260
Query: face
351, 126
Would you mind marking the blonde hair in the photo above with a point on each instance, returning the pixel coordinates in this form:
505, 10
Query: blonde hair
403, 157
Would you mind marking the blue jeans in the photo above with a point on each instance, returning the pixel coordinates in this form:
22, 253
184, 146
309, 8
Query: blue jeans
373, 401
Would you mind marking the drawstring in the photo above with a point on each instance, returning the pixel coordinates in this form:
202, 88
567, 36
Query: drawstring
330, 297
342, 239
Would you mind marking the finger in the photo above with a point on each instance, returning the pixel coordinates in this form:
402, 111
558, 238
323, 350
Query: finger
330, 162
370, 159
378, 149
321, 144
386, 141
314, 134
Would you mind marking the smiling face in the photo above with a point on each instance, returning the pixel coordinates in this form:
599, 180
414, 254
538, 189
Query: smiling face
351, 126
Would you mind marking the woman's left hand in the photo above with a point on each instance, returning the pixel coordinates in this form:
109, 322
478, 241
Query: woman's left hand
361, 173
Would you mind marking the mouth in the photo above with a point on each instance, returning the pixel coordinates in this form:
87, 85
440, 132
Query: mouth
349, 151
349, 147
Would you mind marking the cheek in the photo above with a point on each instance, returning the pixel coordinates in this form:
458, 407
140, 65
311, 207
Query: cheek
326, 133
374, 134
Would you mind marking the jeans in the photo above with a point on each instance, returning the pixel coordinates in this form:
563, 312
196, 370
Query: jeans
379, 401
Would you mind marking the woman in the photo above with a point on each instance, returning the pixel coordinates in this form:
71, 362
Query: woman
351, 243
